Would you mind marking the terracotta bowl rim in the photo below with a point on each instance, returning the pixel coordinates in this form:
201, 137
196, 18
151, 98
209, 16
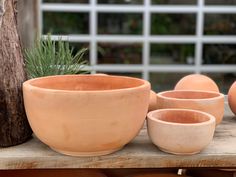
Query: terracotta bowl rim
211, 120
29, 85
219, 95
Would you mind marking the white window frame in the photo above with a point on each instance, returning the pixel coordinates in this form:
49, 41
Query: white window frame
146, 38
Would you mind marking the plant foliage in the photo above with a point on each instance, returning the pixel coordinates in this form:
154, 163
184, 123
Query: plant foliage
48, 57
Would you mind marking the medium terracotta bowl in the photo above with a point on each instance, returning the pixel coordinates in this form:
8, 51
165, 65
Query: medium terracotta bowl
86, 115
180, 131
206, 101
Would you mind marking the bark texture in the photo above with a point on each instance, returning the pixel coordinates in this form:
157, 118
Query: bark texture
14, 127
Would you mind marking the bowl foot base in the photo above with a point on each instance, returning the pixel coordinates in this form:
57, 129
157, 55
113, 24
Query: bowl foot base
179, 153
86, 154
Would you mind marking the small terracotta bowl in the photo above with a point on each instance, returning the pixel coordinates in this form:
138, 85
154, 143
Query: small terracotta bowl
180, 131
86, 115
206, 101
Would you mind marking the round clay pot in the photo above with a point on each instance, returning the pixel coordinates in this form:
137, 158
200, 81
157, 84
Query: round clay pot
232, 97
197, 82
210, 102
180, 131
86, 115
152, 101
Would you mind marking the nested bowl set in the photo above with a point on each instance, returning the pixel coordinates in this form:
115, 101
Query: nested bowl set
90, 115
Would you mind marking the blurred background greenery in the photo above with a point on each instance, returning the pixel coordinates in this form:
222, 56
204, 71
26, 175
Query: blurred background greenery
161, 24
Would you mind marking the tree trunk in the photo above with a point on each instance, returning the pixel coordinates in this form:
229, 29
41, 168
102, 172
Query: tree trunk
14, 127
27, 21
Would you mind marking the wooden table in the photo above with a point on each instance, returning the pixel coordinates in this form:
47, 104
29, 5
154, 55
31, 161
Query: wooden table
140, 153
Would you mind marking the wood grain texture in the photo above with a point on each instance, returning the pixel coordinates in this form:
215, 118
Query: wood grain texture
140, 153
14, 127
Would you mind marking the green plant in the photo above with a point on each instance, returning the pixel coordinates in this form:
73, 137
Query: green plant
48, 57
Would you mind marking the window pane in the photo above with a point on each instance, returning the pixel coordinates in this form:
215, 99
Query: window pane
165, 81
137, 75
68, 1
223, 80
78, 46
220, 2
119, 23
65, 23
224, 24
219, 54
113, 53
120, 1
172, 54
174, 2
173, 24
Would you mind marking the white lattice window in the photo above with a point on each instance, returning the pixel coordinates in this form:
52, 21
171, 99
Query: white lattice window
158, 40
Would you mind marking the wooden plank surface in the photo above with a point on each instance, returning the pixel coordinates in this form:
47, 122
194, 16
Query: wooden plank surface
140, 153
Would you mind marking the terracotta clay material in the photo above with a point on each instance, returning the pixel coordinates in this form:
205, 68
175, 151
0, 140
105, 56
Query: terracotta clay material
152, 101
210, 102
197, 82
180, 131
232, 97
86, 115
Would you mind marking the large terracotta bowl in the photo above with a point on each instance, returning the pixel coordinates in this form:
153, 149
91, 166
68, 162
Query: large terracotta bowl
206, 101
86, 115
180, 131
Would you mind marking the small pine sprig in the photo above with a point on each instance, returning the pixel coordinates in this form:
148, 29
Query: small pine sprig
48, 57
